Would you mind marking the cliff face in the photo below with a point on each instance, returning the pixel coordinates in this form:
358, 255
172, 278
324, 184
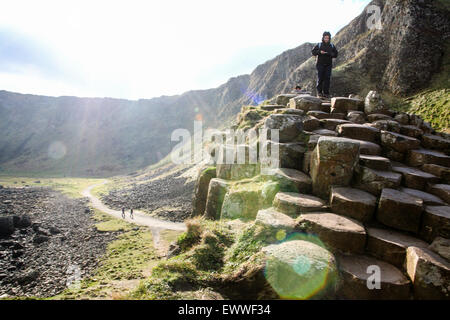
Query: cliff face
401, 58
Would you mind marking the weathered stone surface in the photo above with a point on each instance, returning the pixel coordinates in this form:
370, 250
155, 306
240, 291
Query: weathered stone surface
344, 105
390, 245
436, 222
438, 171
306, 166
402, 118
216, 193
305, 103
283, 99
310, 123
411, 131
289, 126
6, 225
379, 117
393, 155
398, 142
355, 278
429, 273
428, 198
440, 190
356, 117
414, 178
296, 178
332, 164
275, 220
374, 181
353, 203
367, 147
294, 204
400, 210
419, 157
241, 204
325, 107
386, 125
374, 104
300, 270
270, 107
325, 132
237, 171
318, 114
336, 232
290, 111
375, 162
201, 190
358, 131
331, 124
290, 154
441, 246
435, 142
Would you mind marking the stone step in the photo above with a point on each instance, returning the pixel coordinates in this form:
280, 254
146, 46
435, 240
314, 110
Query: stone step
344, 105
440, 190
400, 210
318, 114
357, 117
386, 125
398, 142
326, 106
271, 107
353, 203
356, 274
429, 273
290, 154
390, 245
441, 246
294, 204
428, 198
283, 99
289, 126
325, 132
301, 180
435, 223
331, 124
378, 116
374, 181
305, 102
414, 178
411, 131
358, 132
431, 141
275, 220
367, 147
439, 171
419, 157
375, 162
338, 233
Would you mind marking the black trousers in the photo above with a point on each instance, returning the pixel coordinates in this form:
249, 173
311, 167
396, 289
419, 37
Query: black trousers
323, 78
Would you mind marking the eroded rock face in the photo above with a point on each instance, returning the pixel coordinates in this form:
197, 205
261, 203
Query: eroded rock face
275, 220
441, 246
353, 203
332, 164
344, 105
216, 193
289, 126
300, 270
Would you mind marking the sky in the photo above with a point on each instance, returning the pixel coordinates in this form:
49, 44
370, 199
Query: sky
143, 49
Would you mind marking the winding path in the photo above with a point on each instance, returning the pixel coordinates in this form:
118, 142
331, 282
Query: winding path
140, 217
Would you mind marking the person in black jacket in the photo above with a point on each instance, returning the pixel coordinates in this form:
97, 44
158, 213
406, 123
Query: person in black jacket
325, 52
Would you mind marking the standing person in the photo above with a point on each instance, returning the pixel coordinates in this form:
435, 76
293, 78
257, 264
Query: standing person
325, 52
131, 213
123, 213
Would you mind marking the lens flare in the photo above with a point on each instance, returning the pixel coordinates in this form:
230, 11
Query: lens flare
303, 271
57, 150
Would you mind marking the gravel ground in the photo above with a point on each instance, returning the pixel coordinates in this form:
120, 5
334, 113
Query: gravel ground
54, 240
